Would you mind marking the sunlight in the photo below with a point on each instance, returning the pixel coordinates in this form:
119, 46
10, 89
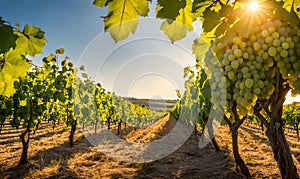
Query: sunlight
290, 99
253, 6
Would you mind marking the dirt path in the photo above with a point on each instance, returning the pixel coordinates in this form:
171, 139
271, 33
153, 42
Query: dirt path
51, 157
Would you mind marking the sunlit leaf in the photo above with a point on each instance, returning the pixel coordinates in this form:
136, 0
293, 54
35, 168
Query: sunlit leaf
176, 30
122, 17
31, 41
7, 37
200, 47
60, 51
211, 20
169, 9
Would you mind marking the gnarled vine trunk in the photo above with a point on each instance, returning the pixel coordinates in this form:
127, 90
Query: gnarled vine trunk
213, 139
25, 142
279, 144
240, 164
234, 127
72, 133
25, 145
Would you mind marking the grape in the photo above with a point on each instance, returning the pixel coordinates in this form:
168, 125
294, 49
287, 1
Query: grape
249, 83
237, 40
271, 29
284, 53
235, 64
285, 45
276, 42
244, 102
275, 35
256, 46
248, 95
269, 40
256, 91
242, 86
245, 55
296, 84
297, 65
231, 57
238, 53
231, 75
272, 51
265, 33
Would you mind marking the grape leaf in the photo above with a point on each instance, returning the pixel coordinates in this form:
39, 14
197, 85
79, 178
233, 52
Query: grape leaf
101, 3
186, 71
203, 77
60, 51
221, 29
200, 47
15, 64
199, 6
169, 9
289, 4
122, 17
227, 38
290, 17
7, 84
242, 28
176, 30
14, 67
7, 37
211, 20
31, 41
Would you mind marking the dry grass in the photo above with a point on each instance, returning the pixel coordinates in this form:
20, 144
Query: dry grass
51, 157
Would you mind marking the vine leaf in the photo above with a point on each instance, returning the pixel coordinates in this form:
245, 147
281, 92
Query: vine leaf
122, 17
176, 30
211, 20
31, 41
199, 6
289, 16
200, 47
7, 37
15, 66
169, 9
290, 5
101, 3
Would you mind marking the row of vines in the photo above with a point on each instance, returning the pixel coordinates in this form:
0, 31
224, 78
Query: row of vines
52, 93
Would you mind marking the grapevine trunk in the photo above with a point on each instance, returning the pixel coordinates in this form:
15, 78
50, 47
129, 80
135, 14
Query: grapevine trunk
72, 132
25, 145
240, 164
280, 146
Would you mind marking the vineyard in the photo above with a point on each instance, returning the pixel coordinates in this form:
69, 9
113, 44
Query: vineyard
230, 122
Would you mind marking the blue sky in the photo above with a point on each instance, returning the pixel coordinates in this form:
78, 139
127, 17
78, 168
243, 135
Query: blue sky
70, 24
75, 24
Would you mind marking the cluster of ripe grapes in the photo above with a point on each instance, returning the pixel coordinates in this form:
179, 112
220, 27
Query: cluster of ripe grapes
245, 68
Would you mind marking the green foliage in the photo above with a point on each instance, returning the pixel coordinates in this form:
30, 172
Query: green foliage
169, 9
7, 36
177, 29
200, 47
31, 41
14, 48
122, 17
291, 114
290, 5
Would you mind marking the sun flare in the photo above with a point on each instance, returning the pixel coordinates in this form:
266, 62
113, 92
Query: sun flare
253, 6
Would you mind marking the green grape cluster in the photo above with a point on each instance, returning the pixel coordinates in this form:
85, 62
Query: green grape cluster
248, 65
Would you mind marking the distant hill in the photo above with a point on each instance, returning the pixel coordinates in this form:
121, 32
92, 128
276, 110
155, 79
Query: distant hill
154, 104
